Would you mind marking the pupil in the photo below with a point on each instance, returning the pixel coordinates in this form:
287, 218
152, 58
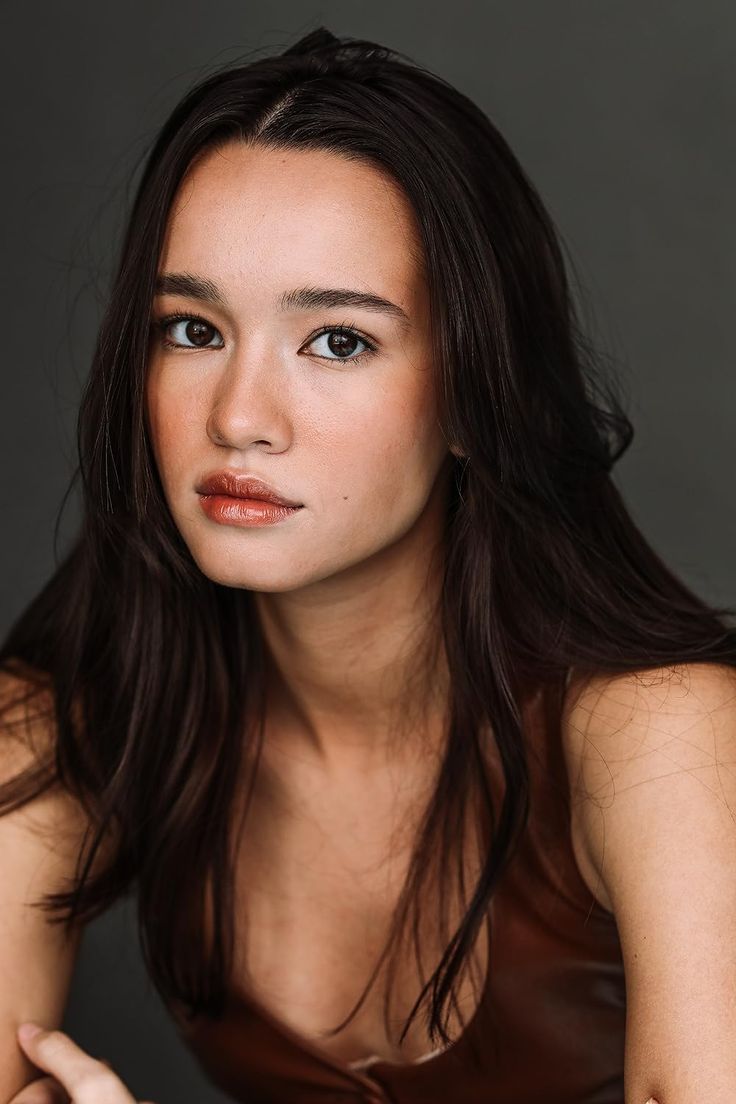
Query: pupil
337, 342
197, 332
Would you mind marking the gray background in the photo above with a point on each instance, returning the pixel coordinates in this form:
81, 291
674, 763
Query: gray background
623, 115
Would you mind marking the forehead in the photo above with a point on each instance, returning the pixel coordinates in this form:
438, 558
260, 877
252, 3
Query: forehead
276, 215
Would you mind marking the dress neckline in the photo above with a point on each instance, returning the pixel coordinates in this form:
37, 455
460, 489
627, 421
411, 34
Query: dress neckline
357, 1067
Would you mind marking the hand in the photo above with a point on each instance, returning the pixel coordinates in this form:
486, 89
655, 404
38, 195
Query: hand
76, 1077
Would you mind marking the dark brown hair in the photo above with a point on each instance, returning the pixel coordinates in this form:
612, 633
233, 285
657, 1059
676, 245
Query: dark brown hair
153, 674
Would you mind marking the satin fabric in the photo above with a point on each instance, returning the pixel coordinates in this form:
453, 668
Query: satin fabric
549, 1028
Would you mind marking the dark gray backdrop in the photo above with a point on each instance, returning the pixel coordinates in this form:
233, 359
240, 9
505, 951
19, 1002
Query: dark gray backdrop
623, 115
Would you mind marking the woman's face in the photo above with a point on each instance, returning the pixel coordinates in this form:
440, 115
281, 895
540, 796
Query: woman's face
344, 423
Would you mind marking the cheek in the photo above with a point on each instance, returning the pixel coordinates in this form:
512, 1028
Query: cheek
172, 416
388, 454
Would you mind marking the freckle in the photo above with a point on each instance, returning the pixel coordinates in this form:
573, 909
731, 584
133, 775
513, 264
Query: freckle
344, 498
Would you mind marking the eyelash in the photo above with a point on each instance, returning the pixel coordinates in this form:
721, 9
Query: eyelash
162, 325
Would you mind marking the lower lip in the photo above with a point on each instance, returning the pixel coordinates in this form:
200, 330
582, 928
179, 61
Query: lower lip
246, 512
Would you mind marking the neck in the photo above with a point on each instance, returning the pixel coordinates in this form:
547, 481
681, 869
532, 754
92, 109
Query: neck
357, 672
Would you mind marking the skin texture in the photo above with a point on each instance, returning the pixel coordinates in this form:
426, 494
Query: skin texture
344, 586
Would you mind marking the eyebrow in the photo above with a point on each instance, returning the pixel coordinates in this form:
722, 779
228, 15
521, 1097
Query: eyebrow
303, 298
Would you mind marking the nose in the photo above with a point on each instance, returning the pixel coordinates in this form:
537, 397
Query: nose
250, 406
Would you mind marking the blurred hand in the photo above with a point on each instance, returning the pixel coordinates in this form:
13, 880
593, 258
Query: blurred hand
75, 1077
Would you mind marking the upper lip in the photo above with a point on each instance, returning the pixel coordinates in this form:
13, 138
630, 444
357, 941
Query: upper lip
242, 486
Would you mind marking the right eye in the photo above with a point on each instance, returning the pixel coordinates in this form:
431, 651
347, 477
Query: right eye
192, 328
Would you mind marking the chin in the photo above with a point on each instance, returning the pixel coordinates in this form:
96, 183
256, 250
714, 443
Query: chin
271, 568
245, 573
242, 576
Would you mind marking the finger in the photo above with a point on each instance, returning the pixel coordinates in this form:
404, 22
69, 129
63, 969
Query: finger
86, 1079
46, 1090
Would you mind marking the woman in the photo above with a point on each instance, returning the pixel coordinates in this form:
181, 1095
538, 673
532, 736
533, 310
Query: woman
359, 660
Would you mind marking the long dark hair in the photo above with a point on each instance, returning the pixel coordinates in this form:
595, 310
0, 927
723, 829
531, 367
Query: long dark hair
151, 675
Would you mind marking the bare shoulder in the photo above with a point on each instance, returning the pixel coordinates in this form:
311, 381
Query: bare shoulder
632, 726
629, 738
653, 754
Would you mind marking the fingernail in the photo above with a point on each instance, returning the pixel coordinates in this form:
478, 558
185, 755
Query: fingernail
28, 1030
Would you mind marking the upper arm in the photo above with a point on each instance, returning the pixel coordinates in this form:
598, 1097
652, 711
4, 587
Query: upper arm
39, 844
652, 762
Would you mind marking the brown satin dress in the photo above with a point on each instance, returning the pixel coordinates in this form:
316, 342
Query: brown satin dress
549, 1028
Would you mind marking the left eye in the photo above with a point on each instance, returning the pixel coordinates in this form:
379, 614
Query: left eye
341, 343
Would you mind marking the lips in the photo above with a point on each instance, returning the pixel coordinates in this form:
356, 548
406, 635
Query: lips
242, 486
